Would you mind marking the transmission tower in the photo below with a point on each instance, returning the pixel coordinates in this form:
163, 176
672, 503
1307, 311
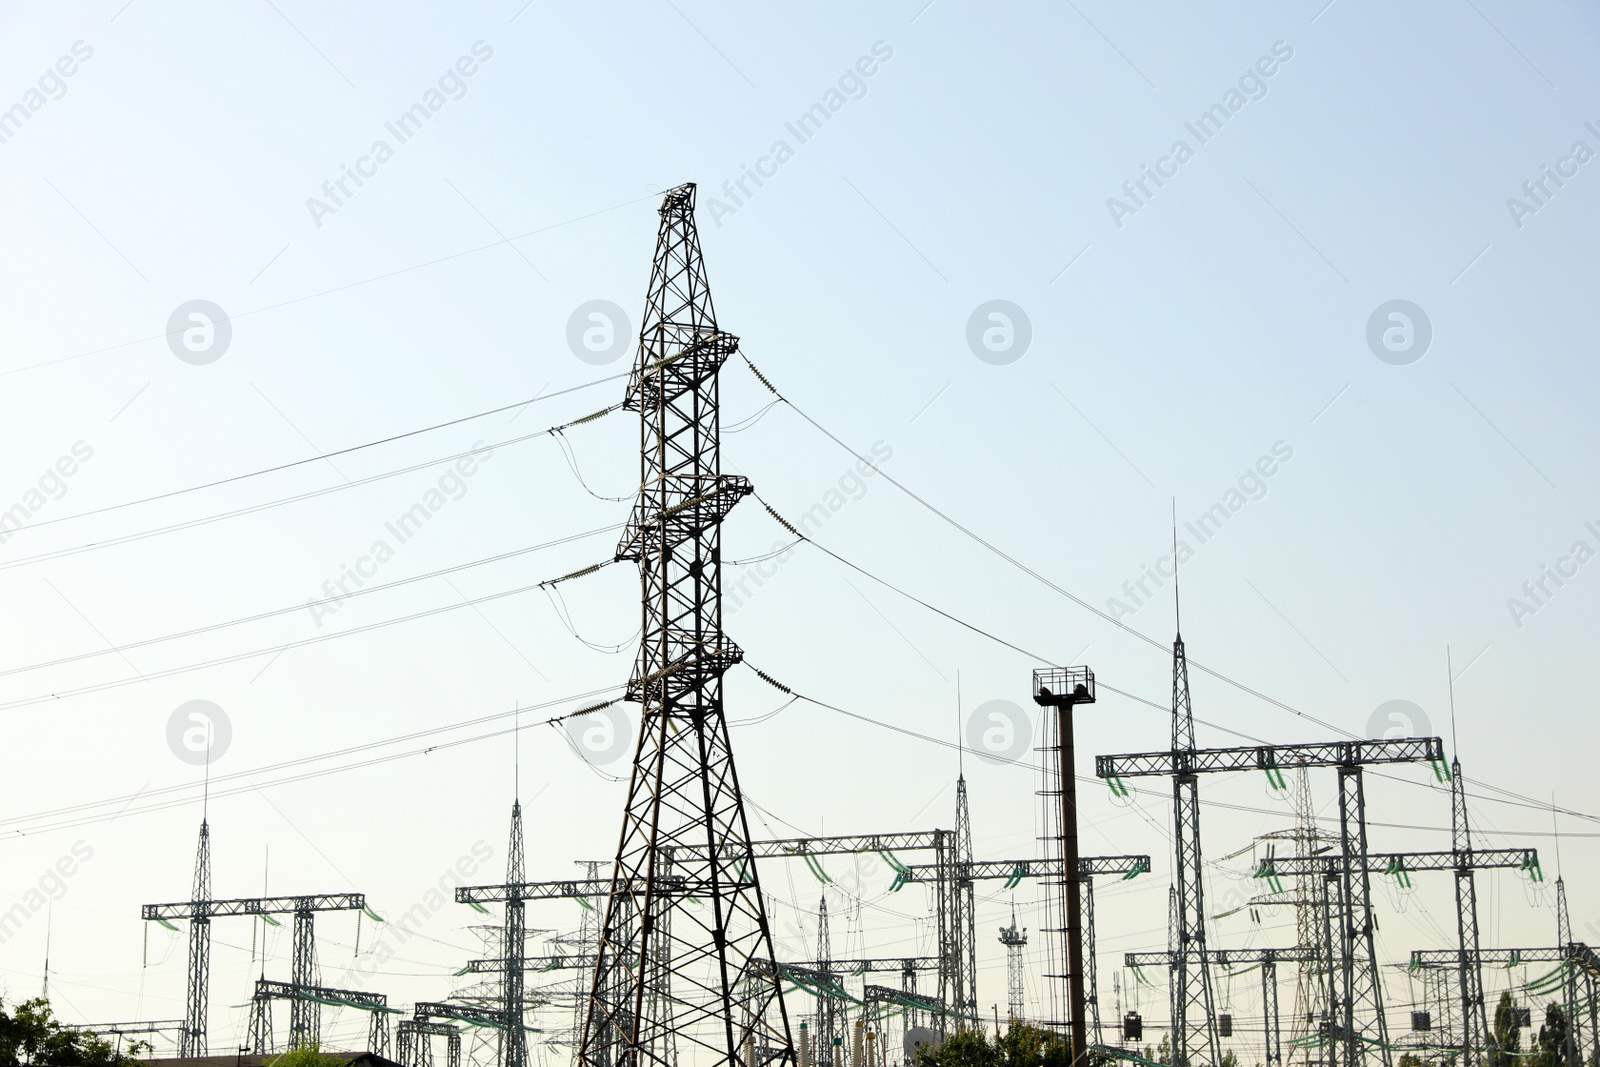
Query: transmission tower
1474, 1024
192, 1042
830, 1020
959, 981
1015, 941
1194, 1031
304, 1013
1309, 1003
698, 968
514, 1045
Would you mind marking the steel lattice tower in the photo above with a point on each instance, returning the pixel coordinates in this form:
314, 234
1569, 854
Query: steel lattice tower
1015, 941
1474, 1024
700, 966
1569, 991
1308, 999
829, 1021
192, 1042
514, 1045
1193, 1030
962, 990
305, 1014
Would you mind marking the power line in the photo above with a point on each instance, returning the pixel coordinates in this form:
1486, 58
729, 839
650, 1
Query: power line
317, 458
271, 650
1019, 565
252, 783
308, 605
254, 508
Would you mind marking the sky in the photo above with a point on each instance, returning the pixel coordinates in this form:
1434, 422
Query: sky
1309, 277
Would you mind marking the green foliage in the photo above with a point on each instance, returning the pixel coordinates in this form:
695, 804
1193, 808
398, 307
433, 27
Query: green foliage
305, 1056
30, 1033
1555, 1040
1507, 1036
1022, 1045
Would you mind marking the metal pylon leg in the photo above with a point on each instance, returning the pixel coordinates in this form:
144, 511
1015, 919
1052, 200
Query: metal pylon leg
1272, 1036
1361, 987
1091, 961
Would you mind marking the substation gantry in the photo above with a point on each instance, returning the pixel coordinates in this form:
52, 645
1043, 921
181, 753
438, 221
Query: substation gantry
1356, 1002
304, 1014
267, 991
1013, 872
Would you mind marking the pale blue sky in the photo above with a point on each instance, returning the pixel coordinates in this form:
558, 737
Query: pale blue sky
1169, 354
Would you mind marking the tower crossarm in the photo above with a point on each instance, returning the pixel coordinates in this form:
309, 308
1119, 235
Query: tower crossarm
470, 1014
1507, 957
1271, 757
878, 994
208, 909
154, 1026
900, 964
561, 889
1016, 870
914, 841
574, 961
1396, 862
341, 998
1224, 957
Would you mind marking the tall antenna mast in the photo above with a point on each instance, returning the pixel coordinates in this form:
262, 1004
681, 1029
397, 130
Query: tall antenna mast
1177, 607
1450, 671
961, 744
49, 925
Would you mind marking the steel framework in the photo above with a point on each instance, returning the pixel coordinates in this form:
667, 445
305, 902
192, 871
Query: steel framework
1265, 958
201, 909
267, 990
1014, 871
958, 980
414, 1047
689, 970
1015, 939
1355, 998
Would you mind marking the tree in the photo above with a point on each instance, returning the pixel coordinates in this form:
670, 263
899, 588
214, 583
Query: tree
1022, 1045
30, 1034
305, 1056
1506, 1041
1555, 1038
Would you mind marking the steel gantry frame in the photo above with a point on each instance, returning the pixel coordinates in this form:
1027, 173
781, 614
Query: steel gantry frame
689, 966
414, 1047
304, 1015
1012, 872
1359, 1007
267, 990
1577, 959
1265, 958
1333, 870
